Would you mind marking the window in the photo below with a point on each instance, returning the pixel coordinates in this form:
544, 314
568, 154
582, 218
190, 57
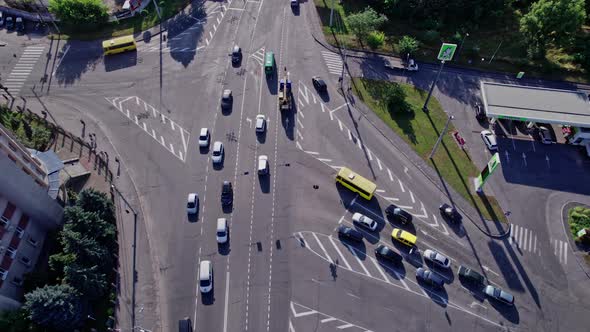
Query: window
25, 260
4, 221
32, 241
13, 158
3, 274
20, 232
11, 252
26, 171
12, 147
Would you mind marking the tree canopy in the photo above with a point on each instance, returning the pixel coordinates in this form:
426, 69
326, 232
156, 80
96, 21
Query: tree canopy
56, 306
79, 13
365, 22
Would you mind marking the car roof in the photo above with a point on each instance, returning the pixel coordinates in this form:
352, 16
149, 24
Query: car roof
191, 197
226, 93
221, 223
204, 131
204, 270
217, 145
263, 157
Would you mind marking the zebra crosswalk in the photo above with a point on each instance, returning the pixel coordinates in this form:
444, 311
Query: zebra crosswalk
23, 68
525, 240
333, 61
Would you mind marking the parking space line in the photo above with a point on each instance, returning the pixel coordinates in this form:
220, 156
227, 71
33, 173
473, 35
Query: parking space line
299, 112
349, 135
561, 247
535, 247
300, 124
555, 247
322, 105
345, 326
329, 319
354, 253
340, 124
369, 154
512, 235
412, 197
322, 247
379, 164
401, 185
379, 269
565, 252
340, 253
358, 142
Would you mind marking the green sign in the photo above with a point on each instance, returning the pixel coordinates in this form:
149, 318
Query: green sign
520, 74
512, 118
487, 171
446, 52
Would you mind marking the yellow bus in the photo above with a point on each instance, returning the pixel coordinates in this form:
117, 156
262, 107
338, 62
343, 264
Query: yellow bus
356, 183
118, 45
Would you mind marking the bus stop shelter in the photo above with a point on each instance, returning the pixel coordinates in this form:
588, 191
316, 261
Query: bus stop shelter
535, 104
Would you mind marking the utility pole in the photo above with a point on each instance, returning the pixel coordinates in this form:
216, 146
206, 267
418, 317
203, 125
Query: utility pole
441, 136
425, 107
52, 21
462, 41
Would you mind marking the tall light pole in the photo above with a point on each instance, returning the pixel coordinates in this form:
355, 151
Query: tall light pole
52, 21
440, 137
462, 41
425, 107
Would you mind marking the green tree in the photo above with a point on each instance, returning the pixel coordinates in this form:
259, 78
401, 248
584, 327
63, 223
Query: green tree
57, 306
394, 98
86, 250
79, 14
365, 22
407, 45
91, 225
89, 281
15, 321
91, 200
375, 39
551, 21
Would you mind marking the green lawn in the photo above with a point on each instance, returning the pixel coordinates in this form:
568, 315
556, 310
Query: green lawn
134, 25
481, 43
578, 218
421, 130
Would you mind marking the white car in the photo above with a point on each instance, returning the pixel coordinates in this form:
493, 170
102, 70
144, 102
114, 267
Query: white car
217, 155
260, 123
205, 276
222, 230
437, 258
364, 221
262, 165
204, 138
489, 139
192, 204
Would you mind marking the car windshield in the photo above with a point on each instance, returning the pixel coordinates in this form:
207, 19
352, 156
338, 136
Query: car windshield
203, 137
220, 233
216, 152
204, 283
190, 205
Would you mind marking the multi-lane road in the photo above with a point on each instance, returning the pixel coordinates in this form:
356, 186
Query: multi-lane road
285, 269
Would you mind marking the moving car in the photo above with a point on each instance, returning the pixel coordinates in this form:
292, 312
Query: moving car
236, 55
429, 277
395, 64
449, 213
217, 155
489, 139
205, 276
404, 237
227, 193
499, 295
471, 275
349, 233
437, 258
319, 84
192, 204
262, 165
227, 99
260, 123
545, 135
398, 214
387, 253
222, 230
364, 221
204, 138
294, 4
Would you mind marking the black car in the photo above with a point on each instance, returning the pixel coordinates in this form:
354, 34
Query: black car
319, 84
398, 214
227, 99
472, 276
449, 213
236, 55
9, 23
350, 233
387, 253
480, 114
20, 25
227, 193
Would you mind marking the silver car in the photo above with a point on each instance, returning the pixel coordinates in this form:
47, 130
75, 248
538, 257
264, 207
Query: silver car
437, 258
217, 155
489, 139
498, 294
364, 221
430, 277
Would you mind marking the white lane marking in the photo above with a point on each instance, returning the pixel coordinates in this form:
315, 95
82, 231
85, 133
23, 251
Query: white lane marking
358, 142
511, 234
340, 124
323, 109
561, 247
531, 241
524, 241
226, 302
520, 236
349, 135
299, 112
340, 253
391, 198
300, 124
412, 197
329, 319
565, 252
325, 160
379, 164
312, 152
352, 295
353, 251
322, 247
380, 191
401, 185
369, 154
340, 221
345, 326
535, 246
555, 247
291, 329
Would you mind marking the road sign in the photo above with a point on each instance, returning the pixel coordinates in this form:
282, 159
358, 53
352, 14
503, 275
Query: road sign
487, 171
446, 52
520, 74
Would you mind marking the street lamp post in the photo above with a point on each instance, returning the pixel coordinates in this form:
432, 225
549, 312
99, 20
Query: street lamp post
440, 137
425, 107
462, 41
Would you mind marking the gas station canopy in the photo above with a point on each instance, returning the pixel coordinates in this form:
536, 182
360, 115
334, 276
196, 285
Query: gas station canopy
526, 103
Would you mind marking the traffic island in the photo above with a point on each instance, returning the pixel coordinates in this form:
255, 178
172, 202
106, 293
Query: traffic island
399, 106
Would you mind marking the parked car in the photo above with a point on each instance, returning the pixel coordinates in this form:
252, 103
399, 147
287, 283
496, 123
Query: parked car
437, 258
349, 233
260, 123
489, 139
218, 152
204, 138
20, 25
1, 19
545, 135
430, 277
9, 23
236, 55
319, 84
227, 99
192, 204
364, 221
385, 252
471, 275
499, 295
480, 114
262, 165
450, 213
227, 193
398, 214
404, 237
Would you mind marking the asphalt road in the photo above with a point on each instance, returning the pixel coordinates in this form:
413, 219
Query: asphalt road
284, 267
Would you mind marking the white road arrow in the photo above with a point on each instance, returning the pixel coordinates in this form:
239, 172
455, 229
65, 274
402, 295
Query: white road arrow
547, 159
474, 303
524, 159
507, 156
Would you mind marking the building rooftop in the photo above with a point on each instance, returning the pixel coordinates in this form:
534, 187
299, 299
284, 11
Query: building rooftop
526, 103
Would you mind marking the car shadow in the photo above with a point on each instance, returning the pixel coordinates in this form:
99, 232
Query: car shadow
224, 248
288, 121
261, 137
358, 249
204, 149
209, 298
395, 270
120, 61
192, 217
370, 236
437, 295
264, 181
509, 312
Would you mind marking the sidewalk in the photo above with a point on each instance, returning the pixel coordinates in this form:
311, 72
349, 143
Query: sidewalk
147, 313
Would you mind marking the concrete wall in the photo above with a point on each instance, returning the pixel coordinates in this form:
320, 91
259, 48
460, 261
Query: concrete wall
22, 191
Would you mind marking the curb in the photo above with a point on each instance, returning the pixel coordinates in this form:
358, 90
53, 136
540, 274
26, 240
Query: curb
564, 217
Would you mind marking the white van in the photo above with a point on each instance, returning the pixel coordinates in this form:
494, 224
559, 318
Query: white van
222, 230
205, 276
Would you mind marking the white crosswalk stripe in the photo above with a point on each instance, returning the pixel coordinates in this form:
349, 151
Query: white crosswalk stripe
340, 254
526, 240
333, 61
21, 71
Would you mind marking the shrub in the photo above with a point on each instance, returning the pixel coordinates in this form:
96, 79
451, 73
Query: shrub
578, 218
407, 45
431, 36
375, 39
80, 14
